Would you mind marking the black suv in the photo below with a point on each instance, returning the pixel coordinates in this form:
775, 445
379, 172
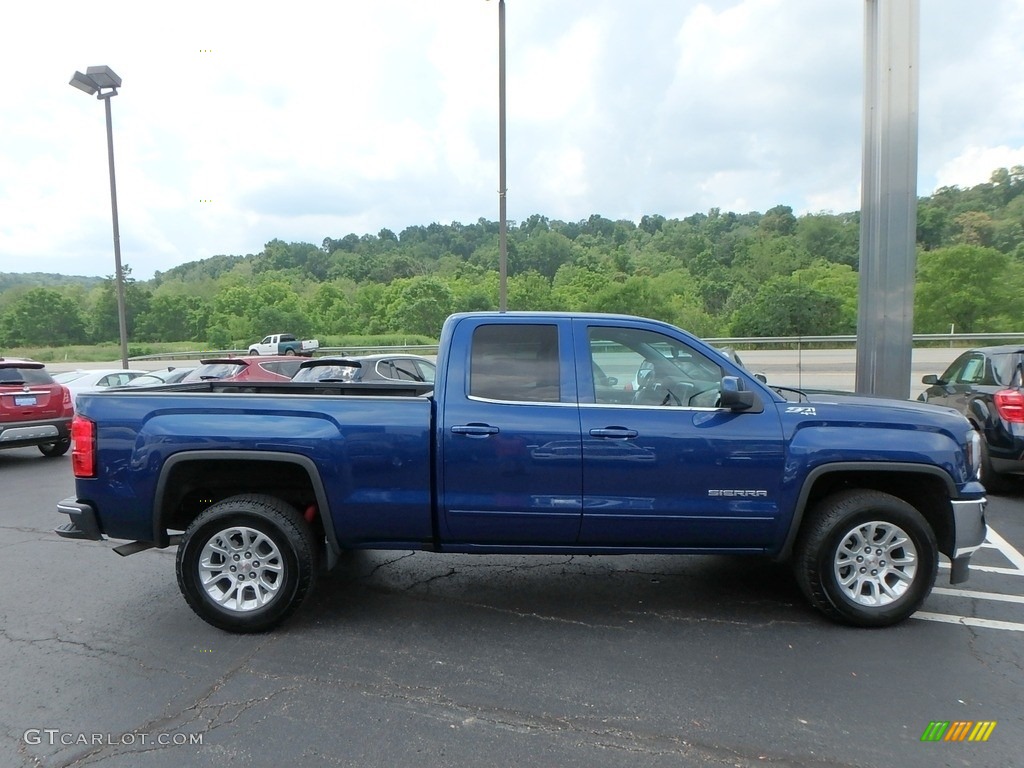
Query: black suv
34, 409
984, 384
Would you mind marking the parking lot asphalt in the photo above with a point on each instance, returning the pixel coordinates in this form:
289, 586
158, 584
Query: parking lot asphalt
404, 658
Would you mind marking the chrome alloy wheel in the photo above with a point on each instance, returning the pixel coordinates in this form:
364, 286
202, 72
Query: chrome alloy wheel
875, 563
241, 569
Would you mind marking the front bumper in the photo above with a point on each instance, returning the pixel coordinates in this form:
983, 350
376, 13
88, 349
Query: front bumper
83, 523
969, 534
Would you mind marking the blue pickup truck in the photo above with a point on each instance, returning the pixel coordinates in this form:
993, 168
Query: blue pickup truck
543, 433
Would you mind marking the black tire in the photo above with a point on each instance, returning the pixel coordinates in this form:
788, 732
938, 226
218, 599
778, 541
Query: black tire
274, 544
254, 352
889, 581
992, 480
52, 450
289, 351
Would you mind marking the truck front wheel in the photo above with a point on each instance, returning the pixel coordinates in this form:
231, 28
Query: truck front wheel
246, 563
866, 558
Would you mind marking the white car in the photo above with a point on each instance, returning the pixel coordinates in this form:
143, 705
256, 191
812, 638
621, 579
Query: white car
95, 380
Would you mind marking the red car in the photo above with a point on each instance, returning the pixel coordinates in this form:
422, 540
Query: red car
248, 368
34, 409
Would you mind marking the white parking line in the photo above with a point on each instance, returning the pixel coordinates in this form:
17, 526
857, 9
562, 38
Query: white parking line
992, 541
969, 621
978, 595
1007, 549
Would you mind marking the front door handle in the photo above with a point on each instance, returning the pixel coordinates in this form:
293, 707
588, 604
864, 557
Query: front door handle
617, 433
475, 430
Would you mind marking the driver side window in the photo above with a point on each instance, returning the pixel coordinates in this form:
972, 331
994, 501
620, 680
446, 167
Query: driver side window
641, 367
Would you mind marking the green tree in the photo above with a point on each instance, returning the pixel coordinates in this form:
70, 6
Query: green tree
42, 317
634, 296
838, 281
173, 317
104, 324
418, 305
972, 288
785, 306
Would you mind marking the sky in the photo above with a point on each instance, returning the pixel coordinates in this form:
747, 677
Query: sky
243, 121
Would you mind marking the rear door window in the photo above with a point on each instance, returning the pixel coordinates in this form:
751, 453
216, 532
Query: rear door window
515, 363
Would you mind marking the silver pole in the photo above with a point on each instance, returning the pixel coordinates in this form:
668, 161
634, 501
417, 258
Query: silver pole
885, 319
122, 320
502, 189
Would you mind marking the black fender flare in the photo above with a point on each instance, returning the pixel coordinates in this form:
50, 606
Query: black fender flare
854, 466
160, 536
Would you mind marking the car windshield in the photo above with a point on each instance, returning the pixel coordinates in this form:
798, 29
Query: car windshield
331, 372
64, 378
145, 380
215, 371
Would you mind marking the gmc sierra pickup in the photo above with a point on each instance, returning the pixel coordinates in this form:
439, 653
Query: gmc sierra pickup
543, 433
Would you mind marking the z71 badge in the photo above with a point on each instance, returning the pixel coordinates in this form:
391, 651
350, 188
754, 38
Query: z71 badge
804, 410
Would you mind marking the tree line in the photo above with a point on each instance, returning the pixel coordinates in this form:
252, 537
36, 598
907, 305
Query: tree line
715, 274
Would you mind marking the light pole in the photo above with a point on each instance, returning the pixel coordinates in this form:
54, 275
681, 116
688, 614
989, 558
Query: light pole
502, 219
104, 82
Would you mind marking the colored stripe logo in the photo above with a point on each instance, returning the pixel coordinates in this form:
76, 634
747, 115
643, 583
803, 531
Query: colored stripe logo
958, 730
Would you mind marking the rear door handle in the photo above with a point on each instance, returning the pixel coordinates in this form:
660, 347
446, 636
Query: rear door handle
618, 433
475, 430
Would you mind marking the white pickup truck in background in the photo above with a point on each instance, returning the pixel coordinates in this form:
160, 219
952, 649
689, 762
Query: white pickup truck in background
284, 344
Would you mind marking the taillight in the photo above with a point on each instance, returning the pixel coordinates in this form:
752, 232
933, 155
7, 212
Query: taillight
1010, 405
83, 451
66, 403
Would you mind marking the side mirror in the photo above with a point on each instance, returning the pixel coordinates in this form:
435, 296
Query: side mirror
612, 381
733, 396
930, 379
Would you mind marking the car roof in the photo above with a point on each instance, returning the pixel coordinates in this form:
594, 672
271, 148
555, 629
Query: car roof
356, 361
105, 370
1002, 349
14, 362
246, 359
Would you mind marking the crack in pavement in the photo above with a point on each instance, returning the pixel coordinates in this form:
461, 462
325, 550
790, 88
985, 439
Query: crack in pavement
182, 718
433, 704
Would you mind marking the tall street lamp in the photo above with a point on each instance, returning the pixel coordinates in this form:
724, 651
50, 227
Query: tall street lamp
502, 218
104, 82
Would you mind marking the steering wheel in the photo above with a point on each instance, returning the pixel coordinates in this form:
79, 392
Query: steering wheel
652, 391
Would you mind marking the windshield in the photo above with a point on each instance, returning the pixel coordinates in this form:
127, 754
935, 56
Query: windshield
215, 371
64, 378
338, 372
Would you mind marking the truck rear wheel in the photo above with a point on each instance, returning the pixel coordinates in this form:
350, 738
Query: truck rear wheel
866, 558
246, 563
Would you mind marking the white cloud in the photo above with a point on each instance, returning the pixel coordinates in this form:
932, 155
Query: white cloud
311, 119
976, 164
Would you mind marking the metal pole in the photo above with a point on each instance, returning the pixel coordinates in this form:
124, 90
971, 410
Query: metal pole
502, 220
122, 321
888, 226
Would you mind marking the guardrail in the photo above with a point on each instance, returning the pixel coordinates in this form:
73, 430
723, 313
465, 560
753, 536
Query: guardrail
755, 342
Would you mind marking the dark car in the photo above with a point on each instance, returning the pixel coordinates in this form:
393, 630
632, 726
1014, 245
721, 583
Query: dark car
367, 368
984, 384
246, 368
34, 409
